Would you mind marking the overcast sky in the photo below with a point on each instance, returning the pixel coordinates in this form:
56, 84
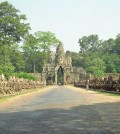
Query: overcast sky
72, 19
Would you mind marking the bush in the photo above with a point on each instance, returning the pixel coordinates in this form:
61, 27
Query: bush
26, 76
7, 70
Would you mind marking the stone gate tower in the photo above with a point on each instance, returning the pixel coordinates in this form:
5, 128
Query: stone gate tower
60, 69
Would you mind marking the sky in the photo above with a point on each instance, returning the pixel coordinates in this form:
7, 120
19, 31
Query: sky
72, 19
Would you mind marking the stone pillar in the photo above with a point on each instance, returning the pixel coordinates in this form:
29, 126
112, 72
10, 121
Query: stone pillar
64, 82
55, 77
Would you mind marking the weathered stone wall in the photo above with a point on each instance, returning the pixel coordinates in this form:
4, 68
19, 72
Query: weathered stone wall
14, 85
61, 61
115, 76
108, 83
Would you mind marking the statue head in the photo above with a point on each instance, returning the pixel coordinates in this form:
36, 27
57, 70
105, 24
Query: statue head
60, 53
51, 57
68, 59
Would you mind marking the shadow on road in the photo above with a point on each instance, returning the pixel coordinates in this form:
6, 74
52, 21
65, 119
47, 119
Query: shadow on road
84, 119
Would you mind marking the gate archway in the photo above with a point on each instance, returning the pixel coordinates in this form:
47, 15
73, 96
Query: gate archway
60, 69
59, 75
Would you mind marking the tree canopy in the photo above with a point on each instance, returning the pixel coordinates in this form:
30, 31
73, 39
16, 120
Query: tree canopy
96, 56
99, 56
12, 26
12, 30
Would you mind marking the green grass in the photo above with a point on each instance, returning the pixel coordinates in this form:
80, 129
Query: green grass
107, 93
104, 92
11, 96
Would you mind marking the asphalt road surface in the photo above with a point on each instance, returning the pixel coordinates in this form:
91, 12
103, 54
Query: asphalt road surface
61, 110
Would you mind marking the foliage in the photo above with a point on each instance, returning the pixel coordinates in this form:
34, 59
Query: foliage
99, 56
7, 70
12, 28
26, 76
46, 41
90, 43
116, 48
31, 49
36, 48
76, 59
93, 64
112, 62
17, 58
107, 46
96, 56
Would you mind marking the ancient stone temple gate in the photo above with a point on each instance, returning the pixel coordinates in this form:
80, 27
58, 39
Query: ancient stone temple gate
60, 69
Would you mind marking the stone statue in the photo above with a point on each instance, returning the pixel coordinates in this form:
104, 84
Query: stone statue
68, 60
51, 57
60, 60
60, 54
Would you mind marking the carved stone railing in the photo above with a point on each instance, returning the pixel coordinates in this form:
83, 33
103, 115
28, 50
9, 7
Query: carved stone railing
104, 84
14, 85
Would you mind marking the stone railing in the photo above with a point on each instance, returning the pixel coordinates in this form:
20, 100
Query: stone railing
14, 85
107, 84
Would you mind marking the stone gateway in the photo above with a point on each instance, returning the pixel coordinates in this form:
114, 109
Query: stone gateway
59, 70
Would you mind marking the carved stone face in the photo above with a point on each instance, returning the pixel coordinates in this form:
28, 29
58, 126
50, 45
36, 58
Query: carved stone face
60, 59
52, 57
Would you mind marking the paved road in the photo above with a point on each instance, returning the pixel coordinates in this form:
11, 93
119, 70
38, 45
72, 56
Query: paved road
61, 110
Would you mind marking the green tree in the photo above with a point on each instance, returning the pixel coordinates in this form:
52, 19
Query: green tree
8, 70
112, 62
36, 48
105, 53
46, 40
93, 64
12, 29
30, 49
117, 45
90, 43
107, 46
17, 58
12, 26
76, 59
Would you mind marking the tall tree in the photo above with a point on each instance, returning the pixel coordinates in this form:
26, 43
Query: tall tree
76, 59
30, 49
46, 40
12, 28
107, 46
90, 43
117, 45
94, 64
112, 62
17, 58
36, 48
